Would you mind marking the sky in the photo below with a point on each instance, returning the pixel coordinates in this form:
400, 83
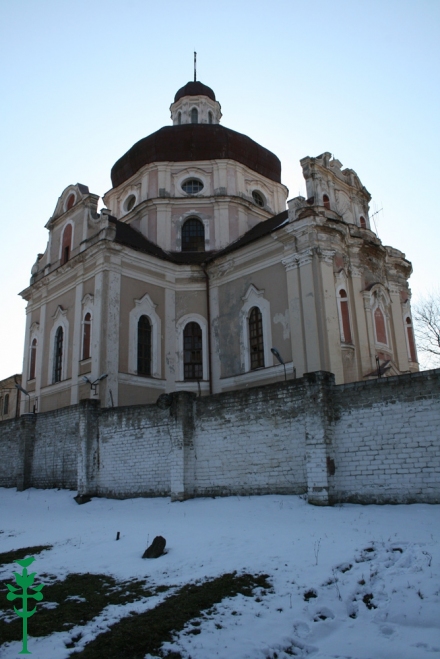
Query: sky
82, 81
352, 581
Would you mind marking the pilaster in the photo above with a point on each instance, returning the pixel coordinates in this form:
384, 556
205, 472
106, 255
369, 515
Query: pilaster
170, 336
318, 434
76, 346
26, 356
181, 435
401, 346
88, 453
26, 440
295, 313
112, 338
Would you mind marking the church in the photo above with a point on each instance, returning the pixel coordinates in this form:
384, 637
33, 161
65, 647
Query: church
199, 274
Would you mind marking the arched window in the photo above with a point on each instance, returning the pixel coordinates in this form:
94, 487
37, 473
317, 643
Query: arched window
194, 116
192, 352
6, 404
379, 323
193, 236
326, 201
256, 338
344, 317
87, 335
144, 346
210, 117
179, 118
362, 222
411, 344
33, 359
70, 201
66, 244
58, 355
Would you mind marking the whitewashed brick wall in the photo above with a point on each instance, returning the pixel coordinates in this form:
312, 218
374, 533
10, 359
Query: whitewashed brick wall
134, 452
9, 452
386, 444
249, 442
368, 442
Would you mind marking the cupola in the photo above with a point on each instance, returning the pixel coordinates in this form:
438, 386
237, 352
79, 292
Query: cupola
195, 103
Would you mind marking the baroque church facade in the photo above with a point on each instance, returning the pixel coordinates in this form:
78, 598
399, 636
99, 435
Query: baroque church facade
195, 269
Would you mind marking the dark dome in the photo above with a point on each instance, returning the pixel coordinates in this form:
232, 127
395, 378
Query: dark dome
195, 89
190, 142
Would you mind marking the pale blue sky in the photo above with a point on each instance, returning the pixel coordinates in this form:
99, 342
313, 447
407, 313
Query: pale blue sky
82, 81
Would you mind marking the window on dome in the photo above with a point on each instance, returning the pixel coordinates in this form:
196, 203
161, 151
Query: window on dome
256, 338
362, 222
326, 202
210, 117
258, 198
192, 186
192, 352
194, 116
130, 202
193, 236
6, 404
179, 118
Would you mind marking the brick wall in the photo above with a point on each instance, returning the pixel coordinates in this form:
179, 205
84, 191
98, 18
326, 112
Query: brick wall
249, 442
386, 445
133, 452
9, 452
55, 449
375, 441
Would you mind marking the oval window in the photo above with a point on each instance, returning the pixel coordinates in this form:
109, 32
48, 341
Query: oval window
130, 202
258, 198
192, 186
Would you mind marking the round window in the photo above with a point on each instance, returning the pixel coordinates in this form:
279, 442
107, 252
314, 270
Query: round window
130, 202
192, 186
258, 198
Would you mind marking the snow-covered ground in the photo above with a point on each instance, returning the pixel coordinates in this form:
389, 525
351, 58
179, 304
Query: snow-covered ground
351, 557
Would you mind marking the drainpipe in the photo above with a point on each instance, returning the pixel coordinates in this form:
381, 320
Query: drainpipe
208, 313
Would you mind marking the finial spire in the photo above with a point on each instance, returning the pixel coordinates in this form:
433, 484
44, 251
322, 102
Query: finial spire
195, 66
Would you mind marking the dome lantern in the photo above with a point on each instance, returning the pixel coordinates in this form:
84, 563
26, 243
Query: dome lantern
195, 103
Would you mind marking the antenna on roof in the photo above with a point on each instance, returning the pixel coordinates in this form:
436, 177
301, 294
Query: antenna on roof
372, 217
195, 66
